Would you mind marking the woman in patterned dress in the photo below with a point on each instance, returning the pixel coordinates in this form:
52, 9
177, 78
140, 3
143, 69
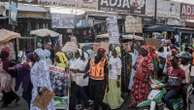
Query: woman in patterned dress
40, 78
141, 87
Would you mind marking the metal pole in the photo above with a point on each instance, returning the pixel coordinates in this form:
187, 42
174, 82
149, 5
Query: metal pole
155, 11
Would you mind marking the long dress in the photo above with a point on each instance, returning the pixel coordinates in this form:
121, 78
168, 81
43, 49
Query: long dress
141, 87
40, 78
113, 96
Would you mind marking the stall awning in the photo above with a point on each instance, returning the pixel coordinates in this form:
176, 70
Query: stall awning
6, 35
159, 28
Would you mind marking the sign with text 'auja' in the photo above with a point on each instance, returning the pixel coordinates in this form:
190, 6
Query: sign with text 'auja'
187, 11
123, 6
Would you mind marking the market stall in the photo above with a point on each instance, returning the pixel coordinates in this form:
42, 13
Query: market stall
9, 39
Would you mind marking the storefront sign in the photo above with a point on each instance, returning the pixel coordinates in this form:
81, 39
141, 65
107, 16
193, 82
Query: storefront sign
125, 6
89, 4
187, 11
133, 25
62, 20
164, 8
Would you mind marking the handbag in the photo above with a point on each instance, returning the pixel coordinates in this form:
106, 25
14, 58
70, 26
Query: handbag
43, 99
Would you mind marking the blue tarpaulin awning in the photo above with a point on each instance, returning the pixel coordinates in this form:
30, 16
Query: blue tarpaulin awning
159, 28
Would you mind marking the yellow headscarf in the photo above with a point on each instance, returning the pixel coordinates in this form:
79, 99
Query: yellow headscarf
63, 60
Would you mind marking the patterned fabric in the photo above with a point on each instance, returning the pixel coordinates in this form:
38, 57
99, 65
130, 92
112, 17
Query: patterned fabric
60, 83
140, 90
41, 53
141, 87
126, 70
40, 78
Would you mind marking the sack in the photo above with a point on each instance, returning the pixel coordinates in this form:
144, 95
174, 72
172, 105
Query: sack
43, 100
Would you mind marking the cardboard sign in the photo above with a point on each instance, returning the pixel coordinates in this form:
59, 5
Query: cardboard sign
187, 11
133, 25
60, 81
153, 42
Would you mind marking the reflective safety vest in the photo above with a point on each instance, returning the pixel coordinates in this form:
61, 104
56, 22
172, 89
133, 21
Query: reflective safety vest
97, 70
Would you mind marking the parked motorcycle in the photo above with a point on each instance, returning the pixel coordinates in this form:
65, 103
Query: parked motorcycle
155, 97
158, 92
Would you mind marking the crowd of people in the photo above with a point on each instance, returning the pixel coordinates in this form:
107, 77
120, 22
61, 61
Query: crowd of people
99, 80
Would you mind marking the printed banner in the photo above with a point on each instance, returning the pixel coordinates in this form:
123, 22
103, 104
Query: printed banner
124, 6
113, 30
60, 81
62, 20
187, 11
89, 4
133, 25
165, 8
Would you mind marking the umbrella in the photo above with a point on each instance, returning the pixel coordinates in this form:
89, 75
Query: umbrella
6, 35
70, 47
44, 33
132, 37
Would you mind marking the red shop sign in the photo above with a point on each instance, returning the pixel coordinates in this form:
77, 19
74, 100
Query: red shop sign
187, 11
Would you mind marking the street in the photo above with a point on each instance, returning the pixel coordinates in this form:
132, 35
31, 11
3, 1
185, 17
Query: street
22, 106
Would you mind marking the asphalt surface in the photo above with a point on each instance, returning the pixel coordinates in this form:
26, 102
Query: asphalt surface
22, 106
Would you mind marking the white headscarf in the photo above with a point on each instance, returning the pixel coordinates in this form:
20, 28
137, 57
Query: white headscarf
41, 54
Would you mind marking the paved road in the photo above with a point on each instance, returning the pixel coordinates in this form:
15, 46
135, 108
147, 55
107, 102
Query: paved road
22, 106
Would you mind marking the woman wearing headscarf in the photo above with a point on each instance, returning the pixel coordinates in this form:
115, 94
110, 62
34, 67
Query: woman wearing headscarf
48, 56
61, 60
113, 95
40, 78
144, 68
7, 83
